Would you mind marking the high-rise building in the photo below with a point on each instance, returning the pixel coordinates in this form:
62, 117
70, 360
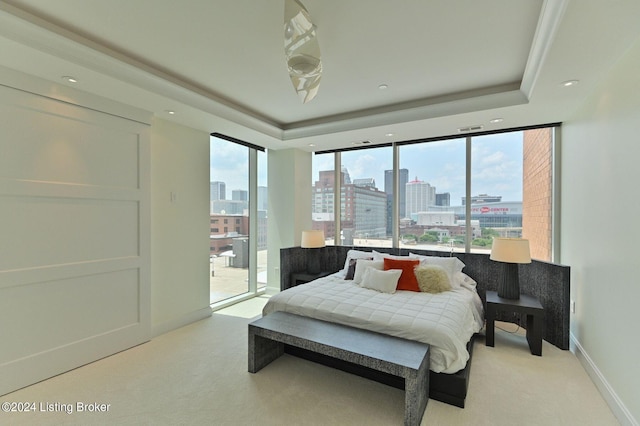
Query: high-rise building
228, 207
443, 199
420, 195
218, 191
403, 179
363, 206
262, 198
240, 195
367, 182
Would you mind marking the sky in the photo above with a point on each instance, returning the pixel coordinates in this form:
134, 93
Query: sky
229, 163
496, 165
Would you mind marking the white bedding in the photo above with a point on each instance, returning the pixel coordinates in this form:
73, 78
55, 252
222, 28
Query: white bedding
446, 321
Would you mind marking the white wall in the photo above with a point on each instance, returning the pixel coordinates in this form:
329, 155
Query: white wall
180, 225
289, 183
600, 233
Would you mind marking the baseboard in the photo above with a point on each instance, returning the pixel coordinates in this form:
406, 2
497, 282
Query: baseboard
165, 327
611, 398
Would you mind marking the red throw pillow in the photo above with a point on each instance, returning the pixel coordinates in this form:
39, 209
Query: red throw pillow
408, 280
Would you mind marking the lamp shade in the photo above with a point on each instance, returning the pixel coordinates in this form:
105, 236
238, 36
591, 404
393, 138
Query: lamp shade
510, 250
312, 239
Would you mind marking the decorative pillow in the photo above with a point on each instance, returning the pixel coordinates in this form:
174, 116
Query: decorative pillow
351, 270
450, 264
362, 265
432, 278
408, 279
382, 281
354, 254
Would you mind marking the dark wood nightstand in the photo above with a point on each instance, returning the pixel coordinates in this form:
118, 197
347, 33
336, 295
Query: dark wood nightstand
528, 305
298, 278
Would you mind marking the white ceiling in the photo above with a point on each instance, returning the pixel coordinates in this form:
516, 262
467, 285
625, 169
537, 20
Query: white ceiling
220, 64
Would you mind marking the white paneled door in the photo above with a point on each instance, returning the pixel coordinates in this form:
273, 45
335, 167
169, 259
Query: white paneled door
74, 236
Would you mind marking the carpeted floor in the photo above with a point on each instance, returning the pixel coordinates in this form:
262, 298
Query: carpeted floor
197, 375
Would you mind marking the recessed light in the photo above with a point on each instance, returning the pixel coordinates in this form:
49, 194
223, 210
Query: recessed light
496, 120
389, 135
312, 144
569, 83
383, 86
170, 111
69, 79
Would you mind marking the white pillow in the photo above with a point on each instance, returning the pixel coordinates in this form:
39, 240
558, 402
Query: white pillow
362, 265
450, 264
354, 254
382, 281
381, 256
463, 280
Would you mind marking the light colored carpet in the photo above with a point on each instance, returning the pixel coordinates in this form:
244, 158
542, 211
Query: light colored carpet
197, 375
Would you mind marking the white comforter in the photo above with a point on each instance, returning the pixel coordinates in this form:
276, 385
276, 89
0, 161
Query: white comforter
446, 321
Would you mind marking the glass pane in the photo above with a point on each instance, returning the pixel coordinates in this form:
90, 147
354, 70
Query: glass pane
364, 205
229, 237
496, 188
363, 199
262, 220
432, 187
322, 213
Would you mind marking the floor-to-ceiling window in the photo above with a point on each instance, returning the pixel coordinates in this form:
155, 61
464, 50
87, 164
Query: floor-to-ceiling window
496, 188
431, 184
449, 194
261, 221
364, 200
238, 209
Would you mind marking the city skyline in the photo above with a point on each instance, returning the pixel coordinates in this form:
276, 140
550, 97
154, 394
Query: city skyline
496, 165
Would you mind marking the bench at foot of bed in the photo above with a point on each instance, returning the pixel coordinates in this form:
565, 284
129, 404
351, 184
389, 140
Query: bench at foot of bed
390, 355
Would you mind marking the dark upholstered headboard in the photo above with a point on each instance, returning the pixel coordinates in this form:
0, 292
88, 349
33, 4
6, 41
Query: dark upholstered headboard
548, 282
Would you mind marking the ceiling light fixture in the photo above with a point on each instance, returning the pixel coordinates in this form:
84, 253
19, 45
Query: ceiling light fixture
496, 120
389, 135
383, 86
170, 112
69, 79
301, 50
570, 83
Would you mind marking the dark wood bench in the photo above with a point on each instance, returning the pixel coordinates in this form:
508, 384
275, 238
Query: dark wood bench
394, 356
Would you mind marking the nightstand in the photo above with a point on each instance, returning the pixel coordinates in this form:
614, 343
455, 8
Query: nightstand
528, 305
298, 278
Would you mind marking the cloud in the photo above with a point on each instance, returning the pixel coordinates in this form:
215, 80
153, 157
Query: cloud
229, 163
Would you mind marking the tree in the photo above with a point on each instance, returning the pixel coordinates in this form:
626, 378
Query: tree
482, 242
489, 232
429, 237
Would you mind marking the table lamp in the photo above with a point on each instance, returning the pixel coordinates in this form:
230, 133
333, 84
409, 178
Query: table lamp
511, 252
313, 240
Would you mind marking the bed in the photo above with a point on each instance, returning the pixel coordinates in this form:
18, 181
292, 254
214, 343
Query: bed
446, 320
